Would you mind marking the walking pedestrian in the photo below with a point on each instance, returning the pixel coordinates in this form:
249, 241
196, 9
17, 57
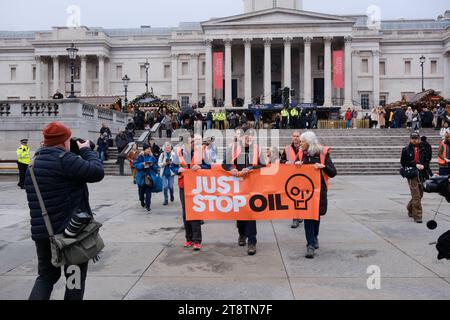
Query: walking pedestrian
146, 166
165, 162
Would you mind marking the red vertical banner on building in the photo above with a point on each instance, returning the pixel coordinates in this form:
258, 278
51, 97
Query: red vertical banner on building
338, 69
218, 70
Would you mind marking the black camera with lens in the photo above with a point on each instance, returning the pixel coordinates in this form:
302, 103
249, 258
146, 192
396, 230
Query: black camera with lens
78, 222
74, 145
438, 184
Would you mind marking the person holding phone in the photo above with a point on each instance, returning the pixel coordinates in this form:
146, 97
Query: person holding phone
168, 176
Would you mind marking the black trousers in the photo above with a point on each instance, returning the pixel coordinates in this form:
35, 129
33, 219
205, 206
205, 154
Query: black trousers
49, 275
22, 171
247, 229
193, 229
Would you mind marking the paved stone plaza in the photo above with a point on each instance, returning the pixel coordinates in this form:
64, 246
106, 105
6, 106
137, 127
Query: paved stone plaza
366, 225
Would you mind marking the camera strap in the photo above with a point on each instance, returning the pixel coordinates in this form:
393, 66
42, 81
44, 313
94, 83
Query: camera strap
48, 223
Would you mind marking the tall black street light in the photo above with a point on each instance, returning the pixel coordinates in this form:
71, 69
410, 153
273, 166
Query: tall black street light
72, 57
125, 80
147, 66
422, 62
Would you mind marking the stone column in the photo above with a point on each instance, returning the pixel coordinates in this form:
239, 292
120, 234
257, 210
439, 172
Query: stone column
208, 74
446, 92
376, 77
301, 73
101, 75
287, 63
307, 69
38, 77
348, 101
194, 63
267, 71
327, 72
356, 64
174, 76
83, 77
228, 71
248, 71
55, 73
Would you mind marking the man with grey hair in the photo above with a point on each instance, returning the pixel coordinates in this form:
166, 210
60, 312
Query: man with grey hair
290, 157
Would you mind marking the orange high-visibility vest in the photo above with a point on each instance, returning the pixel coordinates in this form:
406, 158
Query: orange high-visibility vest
441, 158
236, 151
324, 151
290, 153
196, 159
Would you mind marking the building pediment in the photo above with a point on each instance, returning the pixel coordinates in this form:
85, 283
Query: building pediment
277, 16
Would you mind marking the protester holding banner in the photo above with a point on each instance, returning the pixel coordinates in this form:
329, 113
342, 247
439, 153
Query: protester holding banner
291, 156
190, 157
319, 156
164, 162
240, 158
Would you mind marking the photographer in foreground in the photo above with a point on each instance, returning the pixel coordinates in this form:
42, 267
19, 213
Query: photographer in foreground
62, 177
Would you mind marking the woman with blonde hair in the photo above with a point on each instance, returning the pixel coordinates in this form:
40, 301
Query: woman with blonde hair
312, 153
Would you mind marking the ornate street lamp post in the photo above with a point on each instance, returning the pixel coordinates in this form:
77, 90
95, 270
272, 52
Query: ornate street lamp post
72, 57
125, 80
147, 66
422, 62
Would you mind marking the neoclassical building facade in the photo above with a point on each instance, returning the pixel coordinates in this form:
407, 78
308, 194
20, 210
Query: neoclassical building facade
273, 44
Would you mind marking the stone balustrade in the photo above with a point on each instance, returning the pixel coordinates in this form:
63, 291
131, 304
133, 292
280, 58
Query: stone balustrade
21, 119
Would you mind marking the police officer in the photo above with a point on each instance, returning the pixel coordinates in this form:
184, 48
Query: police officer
284, 118
290, 156
294, 118
241, 157
23, 160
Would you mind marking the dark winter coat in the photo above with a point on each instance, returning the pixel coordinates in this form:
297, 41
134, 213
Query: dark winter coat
62, 178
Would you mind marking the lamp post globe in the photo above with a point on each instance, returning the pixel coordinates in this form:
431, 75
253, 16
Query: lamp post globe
126, 81
72, 51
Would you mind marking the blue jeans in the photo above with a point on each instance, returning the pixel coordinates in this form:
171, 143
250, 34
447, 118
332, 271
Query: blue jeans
348, 124
209, 124
145, 195
101, 155
443, 171
311, 231
168, 185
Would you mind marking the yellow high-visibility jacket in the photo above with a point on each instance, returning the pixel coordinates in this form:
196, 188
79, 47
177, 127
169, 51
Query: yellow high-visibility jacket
23, 155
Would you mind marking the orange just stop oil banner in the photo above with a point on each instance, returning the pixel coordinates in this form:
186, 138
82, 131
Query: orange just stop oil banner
280, 192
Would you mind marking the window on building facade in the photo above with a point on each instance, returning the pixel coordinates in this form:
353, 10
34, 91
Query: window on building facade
382, 68
365, 66
184, 101
184, 68
76, 73
407, 67
365, 101
433, 67
13, 73
167, 71
119, 72
320, 62
33, 73
203, 71
383, 100
142, 73
96, 72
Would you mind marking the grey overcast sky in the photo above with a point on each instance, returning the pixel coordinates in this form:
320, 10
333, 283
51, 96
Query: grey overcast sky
44, 14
